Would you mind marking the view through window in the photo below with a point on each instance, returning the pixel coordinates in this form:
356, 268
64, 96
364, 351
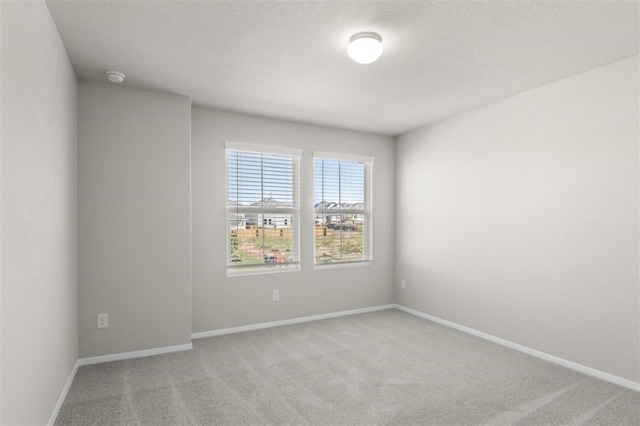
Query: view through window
342, 203
262, 209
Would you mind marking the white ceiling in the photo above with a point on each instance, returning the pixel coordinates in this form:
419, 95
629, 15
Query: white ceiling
287, 59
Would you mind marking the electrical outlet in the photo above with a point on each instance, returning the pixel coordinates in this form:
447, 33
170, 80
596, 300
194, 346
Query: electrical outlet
275, 295
403, 284
103, 320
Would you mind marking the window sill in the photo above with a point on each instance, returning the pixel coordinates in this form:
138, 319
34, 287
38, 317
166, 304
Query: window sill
336, 265
243, 272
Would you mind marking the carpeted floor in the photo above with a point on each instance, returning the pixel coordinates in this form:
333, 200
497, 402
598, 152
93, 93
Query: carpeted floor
386, 367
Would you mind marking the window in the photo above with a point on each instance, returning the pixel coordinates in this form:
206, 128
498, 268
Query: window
343, 209
262, 209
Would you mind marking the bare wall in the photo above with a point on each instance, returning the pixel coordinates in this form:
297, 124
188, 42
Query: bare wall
134, 219
221, 302
38, 176
520, 219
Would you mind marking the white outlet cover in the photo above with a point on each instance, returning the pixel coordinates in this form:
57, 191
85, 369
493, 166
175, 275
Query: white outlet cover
103, 321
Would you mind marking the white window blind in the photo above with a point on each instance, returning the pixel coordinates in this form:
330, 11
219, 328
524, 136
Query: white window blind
262, 209
343, 209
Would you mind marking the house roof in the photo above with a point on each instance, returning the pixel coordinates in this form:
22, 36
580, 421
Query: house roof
332, 205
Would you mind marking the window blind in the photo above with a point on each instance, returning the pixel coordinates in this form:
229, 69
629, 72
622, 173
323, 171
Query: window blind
262, 209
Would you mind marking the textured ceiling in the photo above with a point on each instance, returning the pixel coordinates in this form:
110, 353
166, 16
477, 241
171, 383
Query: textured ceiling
287, 59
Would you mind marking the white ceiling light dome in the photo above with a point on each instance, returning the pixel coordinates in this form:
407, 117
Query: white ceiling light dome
365, 47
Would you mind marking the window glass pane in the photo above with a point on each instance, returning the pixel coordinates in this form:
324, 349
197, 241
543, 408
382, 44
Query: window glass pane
340, 240
342, 211
270, 243
262, 210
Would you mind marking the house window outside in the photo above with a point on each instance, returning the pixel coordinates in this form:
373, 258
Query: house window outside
262, 209
343, 209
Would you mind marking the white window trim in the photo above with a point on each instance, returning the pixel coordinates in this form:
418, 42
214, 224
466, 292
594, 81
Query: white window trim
343, 157
265, 149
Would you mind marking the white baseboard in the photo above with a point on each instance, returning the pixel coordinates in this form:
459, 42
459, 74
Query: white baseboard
134, 354
547, 357
259, 326
64, 393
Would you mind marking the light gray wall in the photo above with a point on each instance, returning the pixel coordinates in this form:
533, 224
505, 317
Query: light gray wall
520, 219
221, 302
38, 280
134, 219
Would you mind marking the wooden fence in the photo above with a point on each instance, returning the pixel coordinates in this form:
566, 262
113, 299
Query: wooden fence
255, 232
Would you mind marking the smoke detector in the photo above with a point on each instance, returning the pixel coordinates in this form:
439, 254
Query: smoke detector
115, 76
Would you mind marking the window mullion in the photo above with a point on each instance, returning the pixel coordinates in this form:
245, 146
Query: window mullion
341, 213
262, 204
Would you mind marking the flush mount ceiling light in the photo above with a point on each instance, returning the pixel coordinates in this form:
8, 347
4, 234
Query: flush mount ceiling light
115, 76
365, 47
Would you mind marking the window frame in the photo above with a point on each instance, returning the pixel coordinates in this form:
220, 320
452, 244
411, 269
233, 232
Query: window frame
293, 211
366, 211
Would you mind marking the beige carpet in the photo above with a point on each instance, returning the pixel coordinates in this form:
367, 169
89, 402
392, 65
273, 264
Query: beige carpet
380, 368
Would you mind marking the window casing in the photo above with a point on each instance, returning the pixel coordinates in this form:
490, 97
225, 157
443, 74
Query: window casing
262, 209
343, 209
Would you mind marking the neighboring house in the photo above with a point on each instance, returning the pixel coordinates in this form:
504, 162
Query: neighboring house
331, 213
269, 220
236, 220
239, 220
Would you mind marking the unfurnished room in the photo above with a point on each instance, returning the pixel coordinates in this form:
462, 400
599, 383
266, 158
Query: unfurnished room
307, 212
